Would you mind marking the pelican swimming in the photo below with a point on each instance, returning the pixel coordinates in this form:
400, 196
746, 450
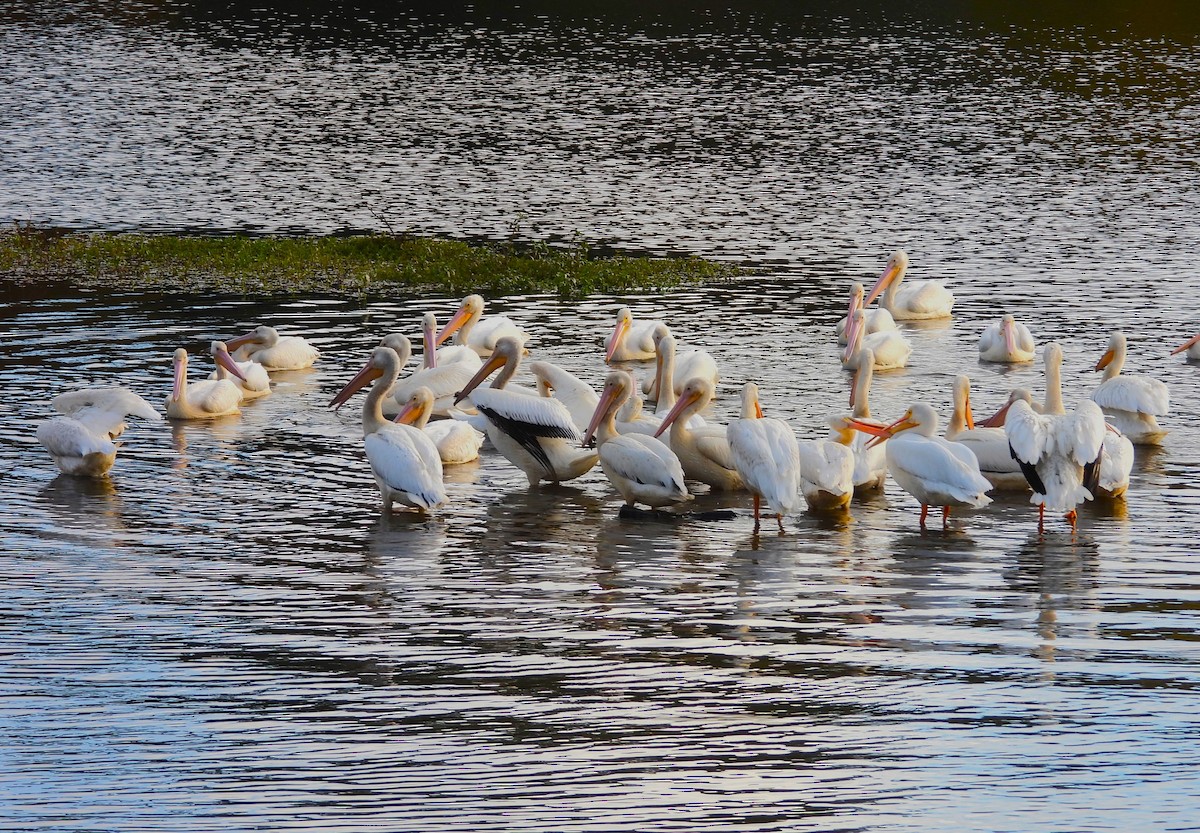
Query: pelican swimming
443, 380
766, 455
870, 456
1131, 402
254, 384
877, 320
632, 342
81, 441
641, 468
933, 470
889, 348
631, 418
704, 452
1192, 346
914, 300
536, 434
1007, 341
480, 334
677, 369
274, 352
206, 399
989, 445
457, 442
404, 459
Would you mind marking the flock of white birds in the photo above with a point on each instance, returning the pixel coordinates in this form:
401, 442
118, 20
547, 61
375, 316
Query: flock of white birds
560, 428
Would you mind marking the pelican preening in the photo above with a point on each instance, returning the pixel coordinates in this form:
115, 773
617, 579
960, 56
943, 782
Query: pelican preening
1007, 341
913, 301
877, 320
471, 329
765, 454
632, 342
274, 352
1192, 346
1131, 402
207, 399
405, 462
81, 442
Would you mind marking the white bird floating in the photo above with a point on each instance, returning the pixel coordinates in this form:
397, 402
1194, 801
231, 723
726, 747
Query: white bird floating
988, 444
632, 342
444, 380
1007, 341
404, 460
934, 470
81, 442
889, 348
457, 442
878, 320
676, 369
274, 352
913, 301
534, 433
206, 399
704, 451
254, 383
766, 455
1131, 402
641, 468
1192, 346
471, 329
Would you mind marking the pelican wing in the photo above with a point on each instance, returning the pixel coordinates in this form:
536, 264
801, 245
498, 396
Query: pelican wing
827, 465
716, 449
1084, 430
1027, 432
572, 391
407, 460
1116, 462
443, 380
526, 419
643, 459
1134, 393
924, 296
66, 437
764, 452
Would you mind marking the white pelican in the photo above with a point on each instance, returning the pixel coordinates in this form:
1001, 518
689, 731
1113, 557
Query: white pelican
877, 320
677, 369
274, 352
664, 396
826, 472
1131, 402
444, 380
1192, 346
457, 442
534, 433
404, 460
641, 468
630, 342
1007, 341
254, 384
889, 348
916, 299
81, 441
207, 399
573, 392
989, 445
934, 470
870, 457
704, 452
480, 334
767, 457
631, 419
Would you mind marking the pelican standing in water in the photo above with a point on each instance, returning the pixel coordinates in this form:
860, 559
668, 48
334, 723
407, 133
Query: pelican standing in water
81, 442
870, 456
1007, 342
274, 352
913, 301
207, 399
471, 329
404, 460
704, 452
877, 320
988, 444
534, 433
1192, 346
1131, 402
641, 468
457, 442
254, 384
632, 342
934, 470
766, 455
889, 348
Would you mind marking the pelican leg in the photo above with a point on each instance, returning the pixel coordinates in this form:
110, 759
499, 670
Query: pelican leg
756, 508
1072, 516
945, 516
924, 514
779, 518
1041, 518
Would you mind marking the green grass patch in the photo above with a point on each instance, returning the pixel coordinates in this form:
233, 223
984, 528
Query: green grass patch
338, 265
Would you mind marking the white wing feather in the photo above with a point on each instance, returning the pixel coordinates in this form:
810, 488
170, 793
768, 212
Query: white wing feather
407, 461
1134, 393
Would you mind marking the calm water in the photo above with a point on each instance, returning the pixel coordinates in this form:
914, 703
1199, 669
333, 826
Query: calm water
227, 635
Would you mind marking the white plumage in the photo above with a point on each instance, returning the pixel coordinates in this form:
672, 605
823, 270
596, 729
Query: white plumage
632, 342
1007, 341
206, 399
1056, 449
274, 352
912, 301
989, 445
1192, 346
877, 320
471, 329
255, 382
81, 441
826, 474
889, 348
1131, 402
677, 368
704, 452
766, 455
577, 395
457, 441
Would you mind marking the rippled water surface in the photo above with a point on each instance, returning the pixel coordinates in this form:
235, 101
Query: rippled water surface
227, 634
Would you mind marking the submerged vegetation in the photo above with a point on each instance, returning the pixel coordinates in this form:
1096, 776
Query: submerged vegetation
339, 265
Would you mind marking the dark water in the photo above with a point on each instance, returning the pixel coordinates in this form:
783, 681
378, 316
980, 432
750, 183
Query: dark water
227, 635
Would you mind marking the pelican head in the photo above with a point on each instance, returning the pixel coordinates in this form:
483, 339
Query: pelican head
1191, 342
618, 386
920, 416
262, 334
220, 353
750, 407
1116, 349
400, 344
179, 359
998, 419
417, 409
506, 354
697, 393
383, 360
470, 310
897, 265
624, 322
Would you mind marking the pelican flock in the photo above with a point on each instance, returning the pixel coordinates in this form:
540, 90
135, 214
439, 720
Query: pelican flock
663, 456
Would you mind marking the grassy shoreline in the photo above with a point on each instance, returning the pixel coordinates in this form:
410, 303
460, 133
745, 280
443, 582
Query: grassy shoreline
335, 265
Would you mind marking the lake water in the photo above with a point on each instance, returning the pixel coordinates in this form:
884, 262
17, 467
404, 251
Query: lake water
227, 635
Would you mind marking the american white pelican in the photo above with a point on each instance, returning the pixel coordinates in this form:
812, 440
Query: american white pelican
81, 441
535, 434
989, 445
877, 320
457, 442
630, 342
934, 470
444, 380
889, 348
641, 468
766, 455
631, 419
916, 299
677, 368
274, 352
1007, 341
1192, 346
254, 384
572, 391
664, 396
404, 460
826, 473
1131, 402
704, 452
870, 457
207, 399
480, 334
1116, 465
